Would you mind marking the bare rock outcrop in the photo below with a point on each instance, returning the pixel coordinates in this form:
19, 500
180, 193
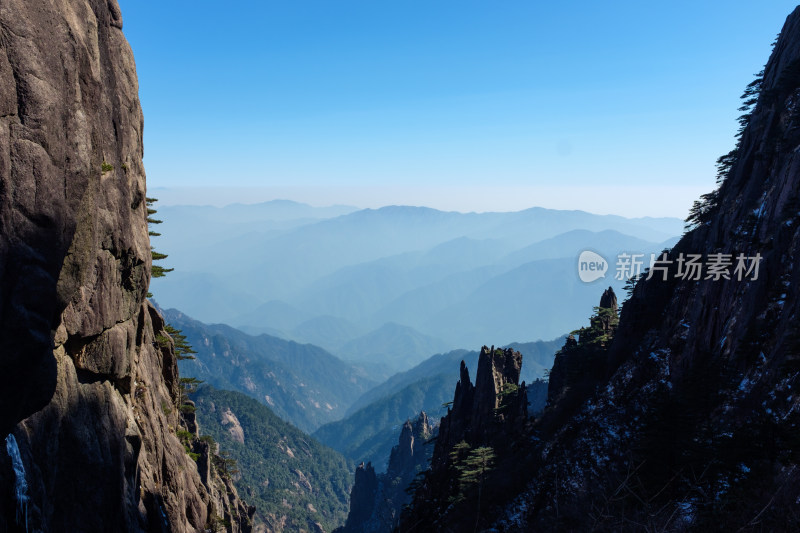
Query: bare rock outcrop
410, 454
363, 498
88, 375
497, 402
376, 501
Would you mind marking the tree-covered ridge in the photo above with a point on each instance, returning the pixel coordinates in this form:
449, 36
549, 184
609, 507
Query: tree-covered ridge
293, 481
703, 210
301, 383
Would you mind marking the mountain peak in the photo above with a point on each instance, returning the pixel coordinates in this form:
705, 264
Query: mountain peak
478, 412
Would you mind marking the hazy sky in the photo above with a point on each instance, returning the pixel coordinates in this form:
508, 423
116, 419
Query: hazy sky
612, 107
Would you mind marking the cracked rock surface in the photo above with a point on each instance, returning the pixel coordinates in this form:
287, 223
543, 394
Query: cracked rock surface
88, 380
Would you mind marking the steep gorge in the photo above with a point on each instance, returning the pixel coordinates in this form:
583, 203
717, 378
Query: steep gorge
88, 384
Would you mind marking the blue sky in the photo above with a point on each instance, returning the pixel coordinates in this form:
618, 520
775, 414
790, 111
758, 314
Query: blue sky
616, 107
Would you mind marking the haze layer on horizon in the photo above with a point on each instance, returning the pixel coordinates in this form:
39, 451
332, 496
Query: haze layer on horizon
626, 201
459, 105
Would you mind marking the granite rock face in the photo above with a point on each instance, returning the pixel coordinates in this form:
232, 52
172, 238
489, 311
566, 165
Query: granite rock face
376, 501
88, 376
497, 403
74, 249
409, 454
609, 299
485, 420
363, 498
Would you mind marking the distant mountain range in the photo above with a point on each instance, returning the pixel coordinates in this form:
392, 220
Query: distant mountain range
302, 383
387, 287
394, 346
379, 353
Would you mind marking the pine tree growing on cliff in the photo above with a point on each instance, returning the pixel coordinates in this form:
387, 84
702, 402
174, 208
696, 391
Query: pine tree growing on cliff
471, 467
473, 471
602, 325
458, 455
157, 271
183, 350
703, 210
186, 387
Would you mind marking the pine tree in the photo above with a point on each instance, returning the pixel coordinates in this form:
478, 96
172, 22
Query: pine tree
157, 271
183, 350
186, 387
189, 385
226, 465
459, 452
474, 468
505, 398
704, 210
601, 328
473, 471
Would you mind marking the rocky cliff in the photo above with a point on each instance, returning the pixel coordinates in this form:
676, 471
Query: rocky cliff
579, 362
496, 404
88, 376
483, 426
377, 500
689, 418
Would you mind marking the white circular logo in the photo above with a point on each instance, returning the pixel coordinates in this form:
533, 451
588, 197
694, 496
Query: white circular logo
591, 266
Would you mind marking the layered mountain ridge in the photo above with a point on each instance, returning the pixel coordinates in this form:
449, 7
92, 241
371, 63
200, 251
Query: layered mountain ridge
352, 275
302, 383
